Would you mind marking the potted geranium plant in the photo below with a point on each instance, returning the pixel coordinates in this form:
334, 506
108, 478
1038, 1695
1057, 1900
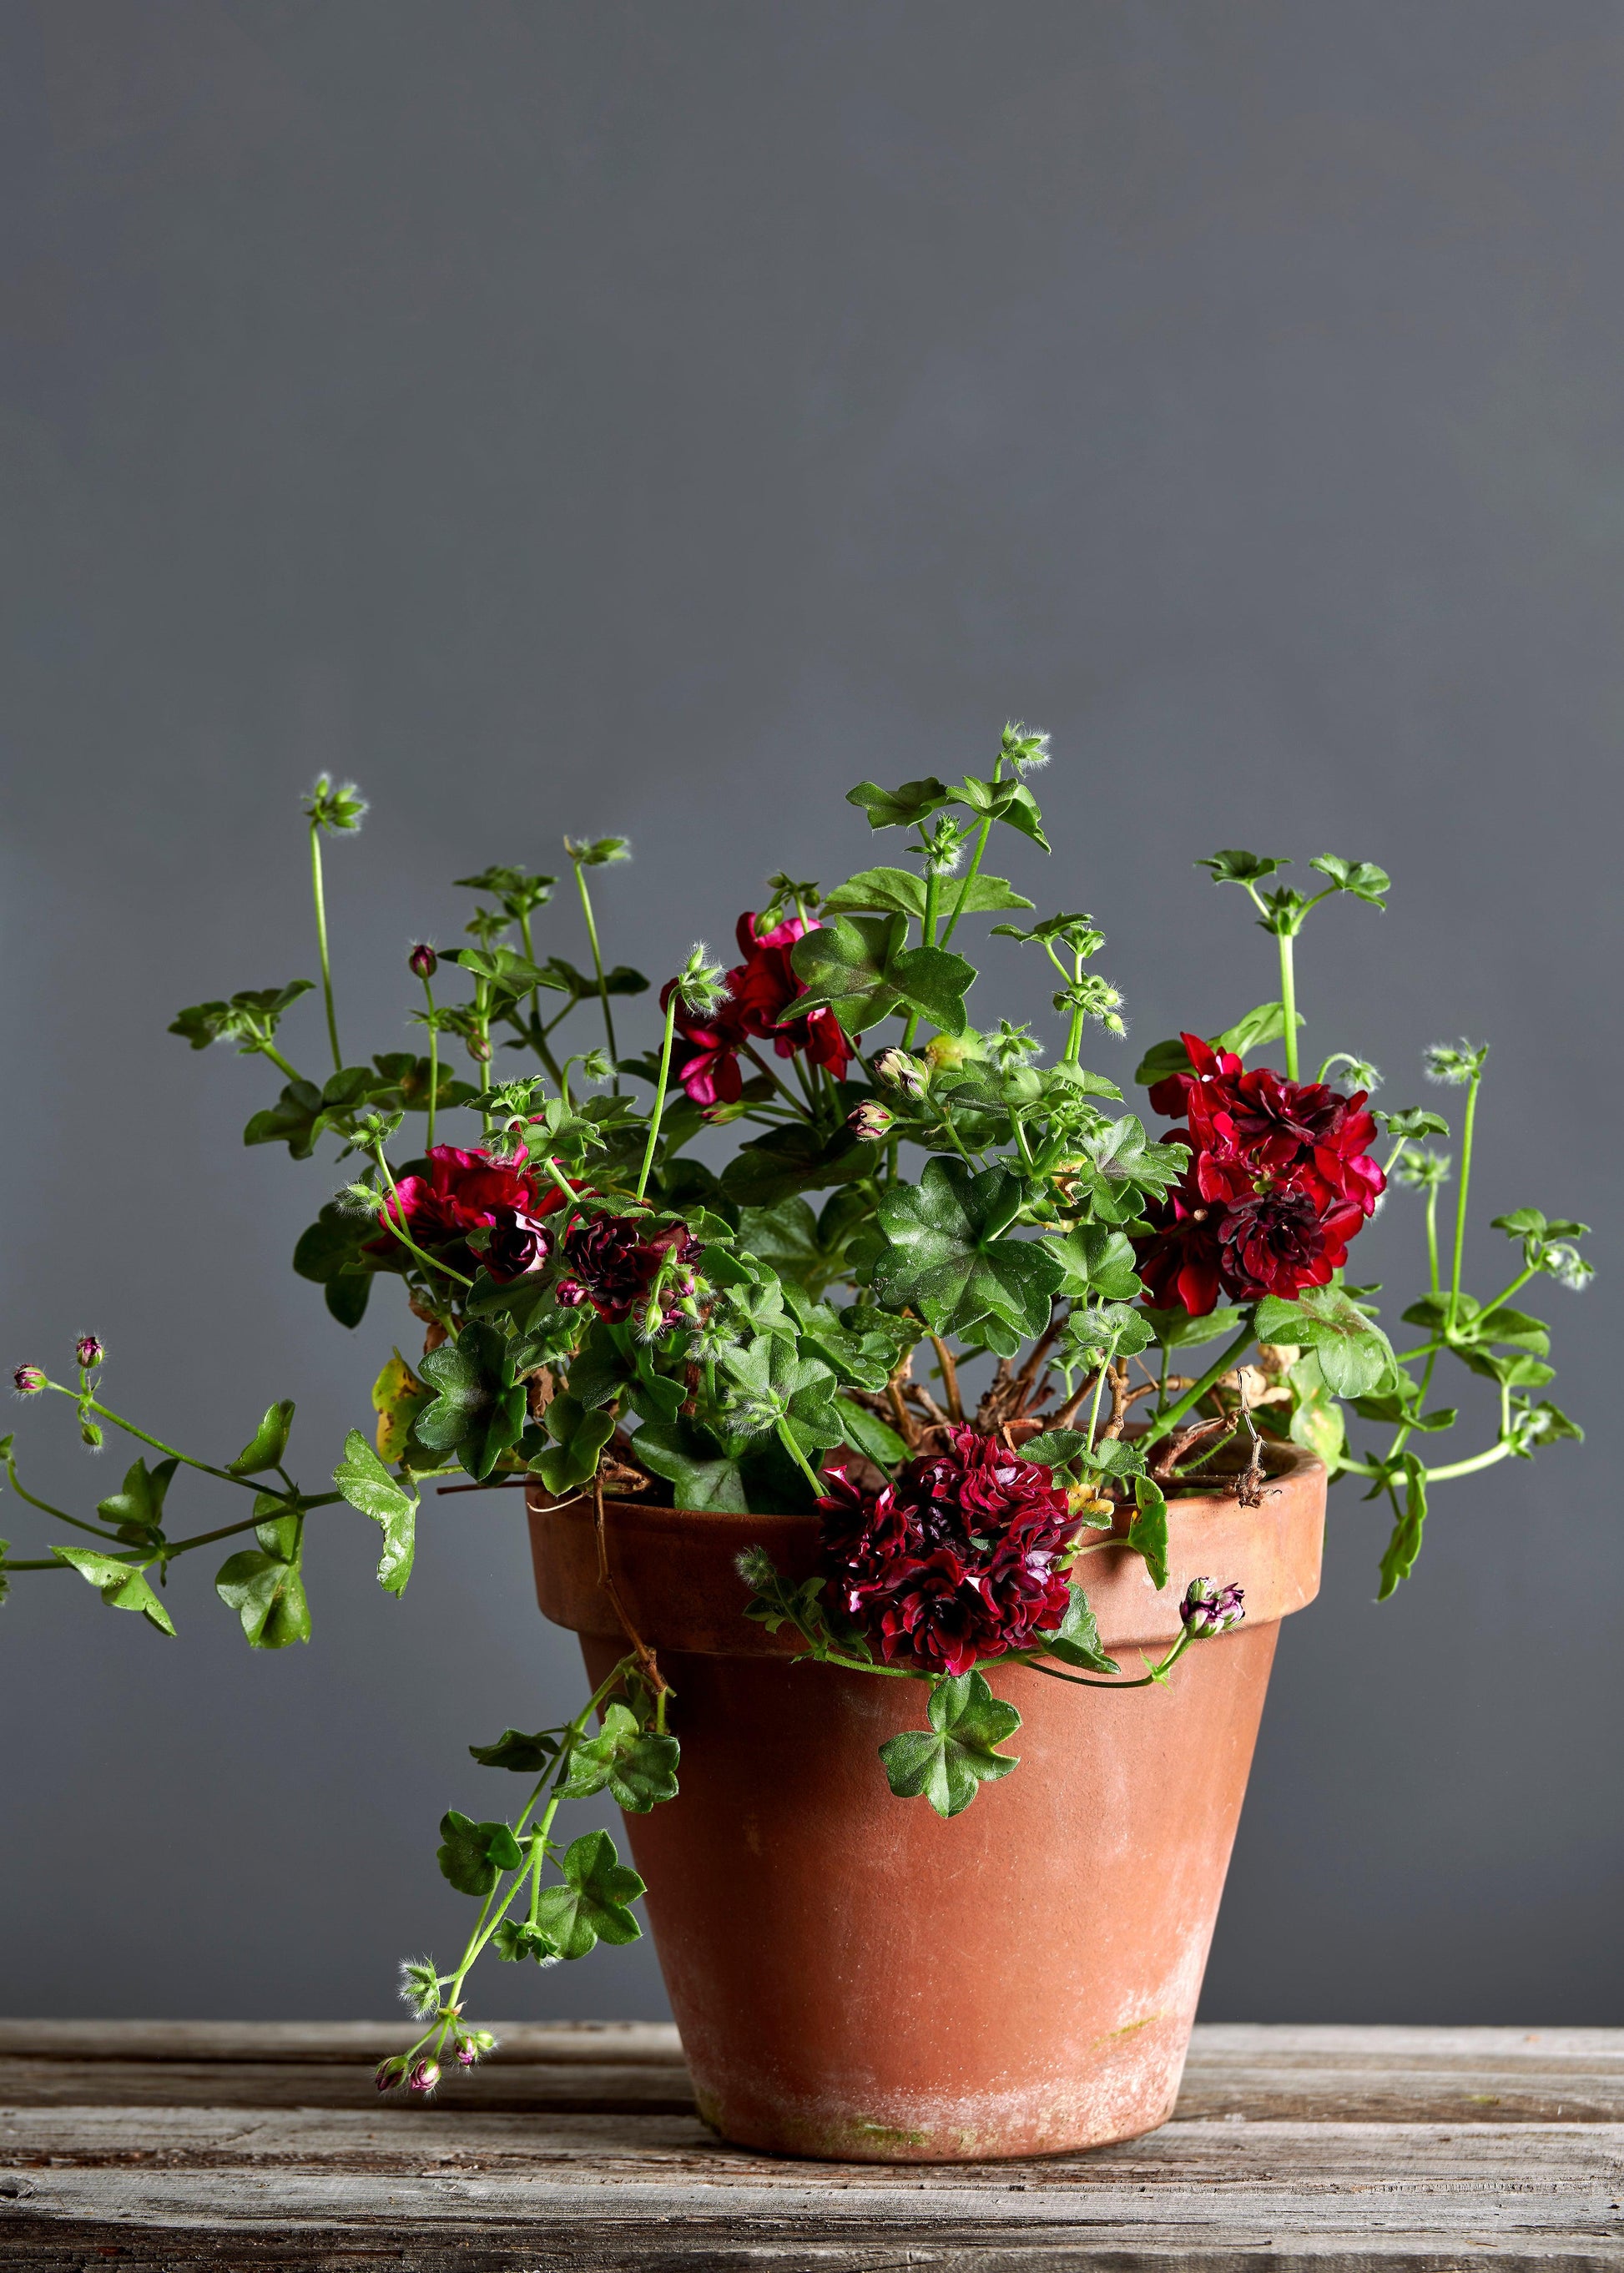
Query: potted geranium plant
953, 1403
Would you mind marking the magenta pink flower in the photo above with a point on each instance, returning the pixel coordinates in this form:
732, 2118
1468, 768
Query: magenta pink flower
759, 991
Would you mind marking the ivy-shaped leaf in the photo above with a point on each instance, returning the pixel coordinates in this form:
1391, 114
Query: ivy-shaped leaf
1147, 1534
1354, 1355
945, 1252
121, 1587
524, 1755
1076, 1640
1405, 1544
592, 1905
265, 1585
900, 808
948, 1762
637, 1768
473, 1856
137, 1511
478, 1410
266, 1447
364, 1481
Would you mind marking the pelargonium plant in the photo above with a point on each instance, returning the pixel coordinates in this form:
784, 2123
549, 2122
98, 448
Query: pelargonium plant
608, 1317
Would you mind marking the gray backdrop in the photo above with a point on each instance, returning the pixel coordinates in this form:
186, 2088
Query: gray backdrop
659, 417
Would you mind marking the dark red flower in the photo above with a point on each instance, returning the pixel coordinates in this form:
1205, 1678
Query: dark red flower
759, 991
613, 1263
1280, 1180
956, 1559
469, 1191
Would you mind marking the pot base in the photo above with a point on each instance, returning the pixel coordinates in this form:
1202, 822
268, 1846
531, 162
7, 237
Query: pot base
855, 1979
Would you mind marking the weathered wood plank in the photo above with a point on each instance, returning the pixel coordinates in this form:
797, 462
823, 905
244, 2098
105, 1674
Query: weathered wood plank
196, 2145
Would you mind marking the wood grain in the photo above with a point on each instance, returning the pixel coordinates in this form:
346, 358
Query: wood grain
211, 2145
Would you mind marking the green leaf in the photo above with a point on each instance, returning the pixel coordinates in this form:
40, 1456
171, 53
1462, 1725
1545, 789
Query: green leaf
1147, 1534
791, 1238
983, 896
1097, 1260
843, 966
933, 981
579, 1437
1317, 1422
1076, 1642
890, 891
120, 1584
899, 808
1176, 1328
1414, 1121
791, 1160
948, 1763
946, 1254
1354, 1355
247, 1019
524, 1755
865, 1432
473, 1856
1160, 1060
703, 1475
1266, 1023
264, 1586
478, 1411
346, 1297
364, 1481
137, 1511
1362, 878
266, 1448
1009, 801
1055, 1448
775, 1385
593, 1904
296, 1120
1237, 867
638, 1768
515, 1940
1405, 1544
1514, 1328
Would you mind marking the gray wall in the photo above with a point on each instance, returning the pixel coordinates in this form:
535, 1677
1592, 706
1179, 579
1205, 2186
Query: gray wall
657, 418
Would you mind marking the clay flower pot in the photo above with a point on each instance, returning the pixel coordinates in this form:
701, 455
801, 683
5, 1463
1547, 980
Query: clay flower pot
857, 1979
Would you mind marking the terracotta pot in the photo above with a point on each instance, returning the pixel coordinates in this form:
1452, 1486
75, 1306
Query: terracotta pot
854, 1978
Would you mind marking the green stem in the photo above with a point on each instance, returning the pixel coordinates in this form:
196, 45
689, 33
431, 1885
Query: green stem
1431, 1236
268, 1049
1287, 1001
788, 1095
1164, 1421
659, 1094
405, 1239
1075, 1038
223, 1475
428, 996
1506, 1293
1143, 1681
1099, 1388
786, 1437
59, 1513
981, 836
321, 940
1459, 1256
598, 966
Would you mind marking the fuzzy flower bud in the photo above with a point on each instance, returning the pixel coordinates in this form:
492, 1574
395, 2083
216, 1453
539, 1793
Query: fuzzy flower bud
425, 2075
88, 1350
700, 985
897, 1070
1454, 1063
479, 1048
29, 1379
870, 1122
1209, 1608
423, 961
467, 2054
388, 2073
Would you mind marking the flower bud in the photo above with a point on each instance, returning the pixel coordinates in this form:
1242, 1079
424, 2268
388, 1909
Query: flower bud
1209, 1608
425, 2075
870, 1122
569, 1294
423, 961
29, 1379
88, 1350
479, 1048
897, 1070
482, 2040
389, 2074
467, 2054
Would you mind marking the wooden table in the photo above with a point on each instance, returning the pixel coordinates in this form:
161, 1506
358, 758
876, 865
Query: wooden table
210, 2144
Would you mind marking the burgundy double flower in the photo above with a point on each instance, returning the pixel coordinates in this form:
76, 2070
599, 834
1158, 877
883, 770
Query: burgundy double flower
613, 1265
957, 1559
759, 991
1280, 1180
469, 1191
